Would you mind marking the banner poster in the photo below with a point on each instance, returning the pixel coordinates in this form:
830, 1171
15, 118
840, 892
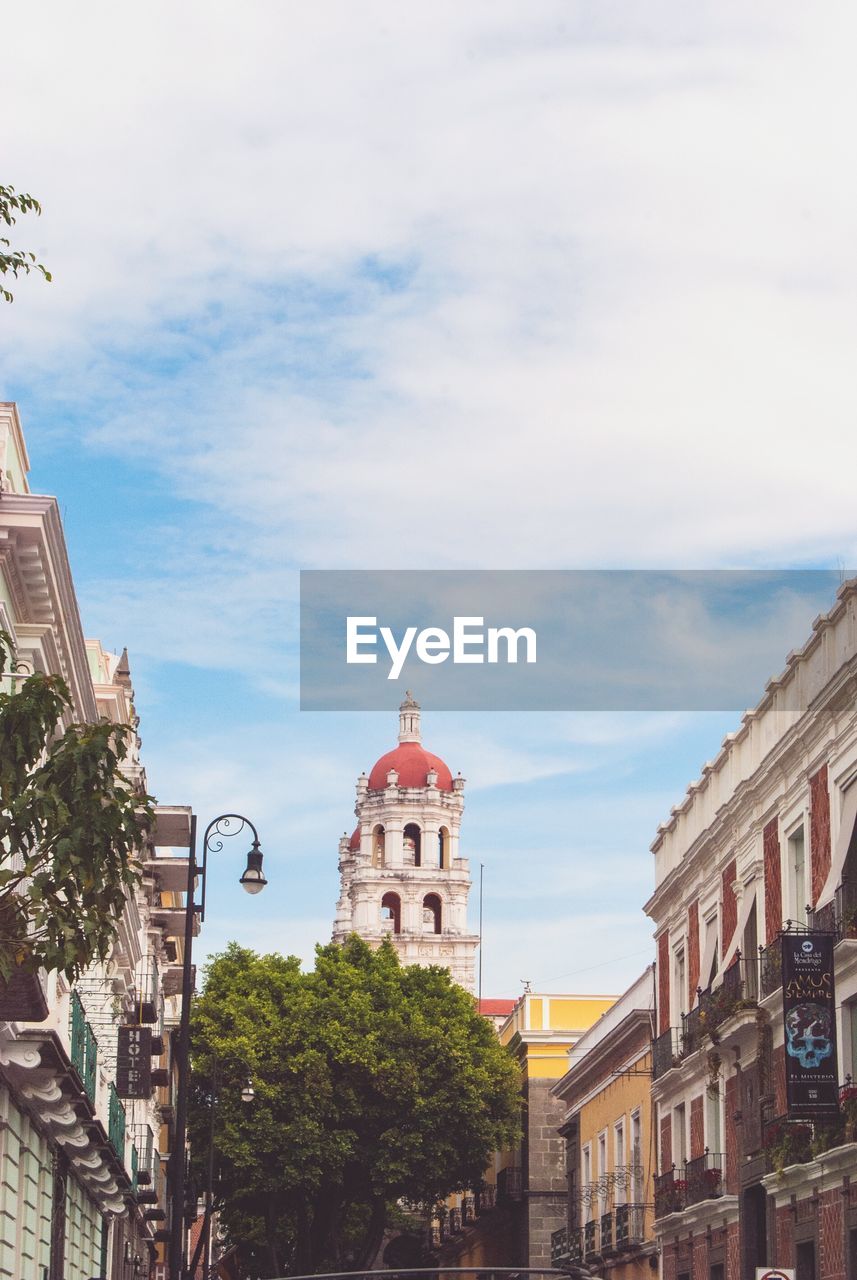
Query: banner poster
809, 1023
134, 1062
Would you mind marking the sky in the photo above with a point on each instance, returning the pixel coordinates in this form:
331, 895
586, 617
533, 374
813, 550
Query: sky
563, 285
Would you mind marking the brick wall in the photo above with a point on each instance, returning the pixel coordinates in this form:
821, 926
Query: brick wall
700, 1256
830, 1236
692, 953
697, 1128
785, 1242
729, 915
666, 1143
663, 983
773, 880
670, 1262
819, 828
733, 1252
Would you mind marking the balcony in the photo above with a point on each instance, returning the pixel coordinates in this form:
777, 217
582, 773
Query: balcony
575, 1245
703, 1178
509, 1184
485, 1199
669, 1193
629, 1225
116, 1123
468, 1209
559, 1246
455, 1222
606, 1233
665, 1053
590, 1239
786, 1142
84, 1047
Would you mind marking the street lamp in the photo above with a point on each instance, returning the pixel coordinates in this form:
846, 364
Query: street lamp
253, 880
248, 1093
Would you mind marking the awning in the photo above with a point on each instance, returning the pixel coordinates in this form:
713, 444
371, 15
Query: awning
844, 837
748, 900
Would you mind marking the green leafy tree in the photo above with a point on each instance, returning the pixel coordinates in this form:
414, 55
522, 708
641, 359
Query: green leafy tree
17, 262
70, 823
373, 1083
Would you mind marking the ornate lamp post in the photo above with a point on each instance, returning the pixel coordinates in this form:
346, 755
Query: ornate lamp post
253, 881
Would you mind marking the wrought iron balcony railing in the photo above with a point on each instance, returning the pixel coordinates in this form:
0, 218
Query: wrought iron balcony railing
509, 1183
606, 1230
454, 1222
575, 1245
630, 1220
665, 1052
84, 1047
703, 1177
468, 1209
669, 1193
485, 1198
116, 1123
590, 1239
559, 1246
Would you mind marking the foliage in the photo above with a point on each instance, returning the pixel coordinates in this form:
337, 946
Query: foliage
373, 1083
788, 1142
69, 825
17, 261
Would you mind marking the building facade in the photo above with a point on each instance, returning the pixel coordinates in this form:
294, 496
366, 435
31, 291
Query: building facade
82, 1184
609, 1137
757, 861
402, 876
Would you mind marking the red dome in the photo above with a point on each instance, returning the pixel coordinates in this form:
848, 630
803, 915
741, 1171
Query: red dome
412, 762
354, 842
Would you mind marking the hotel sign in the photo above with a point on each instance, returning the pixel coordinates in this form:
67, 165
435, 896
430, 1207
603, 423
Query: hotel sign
134, 1062
809, 1024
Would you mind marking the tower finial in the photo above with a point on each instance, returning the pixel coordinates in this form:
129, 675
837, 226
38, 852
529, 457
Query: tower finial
409, 719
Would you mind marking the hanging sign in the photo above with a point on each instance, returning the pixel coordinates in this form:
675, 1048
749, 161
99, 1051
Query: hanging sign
775, 1273
134, 1062
809, 1026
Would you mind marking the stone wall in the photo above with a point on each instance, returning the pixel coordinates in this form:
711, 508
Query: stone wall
545, 1188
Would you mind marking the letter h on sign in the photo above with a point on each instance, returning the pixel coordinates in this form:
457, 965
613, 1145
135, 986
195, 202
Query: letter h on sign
134, 1062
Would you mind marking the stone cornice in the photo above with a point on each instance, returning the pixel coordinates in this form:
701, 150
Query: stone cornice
31, 519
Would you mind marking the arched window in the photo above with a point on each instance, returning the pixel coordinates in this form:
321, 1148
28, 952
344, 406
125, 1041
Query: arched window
443, 848
378, 846
391, 912
431, 913
411, 841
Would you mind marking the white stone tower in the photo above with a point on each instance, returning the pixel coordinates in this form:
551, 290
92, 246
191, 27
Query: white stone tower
401, 876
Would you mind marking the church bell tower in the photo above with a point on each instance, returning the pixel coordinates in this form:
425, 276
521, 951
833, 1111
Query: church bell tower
401, 873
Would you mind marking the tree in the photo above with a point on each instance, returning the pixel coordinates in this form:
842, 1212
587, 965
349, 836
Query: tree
70, 824
17, 261
373, 1083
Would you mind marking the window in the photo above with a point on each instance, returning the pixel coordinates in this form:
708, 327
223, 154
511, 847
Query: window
796, 856
619, 1161
750, 950
679, 1136
602, 1170
637, 1157
443, 848
586, 1185
680, 981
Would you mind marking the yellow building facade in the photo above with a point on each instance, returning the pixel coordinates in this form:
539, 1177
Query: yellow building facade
610, 1149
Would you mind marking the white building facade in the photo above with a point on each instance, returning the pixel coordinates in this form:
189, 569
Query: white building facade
402, 875
760, 855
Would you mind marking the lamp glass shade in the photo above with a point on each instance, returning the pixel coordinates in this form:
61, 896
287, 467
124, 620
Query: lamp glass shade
248, 1093
253, 879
